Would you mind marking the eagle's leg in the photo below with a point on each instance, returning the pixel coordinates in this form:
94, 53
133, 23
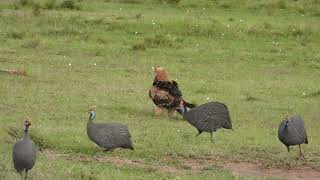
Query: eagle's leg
171, 113
158, 111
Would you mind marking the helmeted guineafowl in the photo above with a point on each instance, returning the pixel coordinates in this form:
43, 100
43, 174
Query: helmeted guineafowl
24, 152
292, 132
207, 117
108, 135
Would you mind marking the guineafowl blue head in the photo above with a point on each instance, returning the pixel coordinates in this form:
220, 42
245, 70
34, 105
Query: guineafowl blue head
27, 123
287, 122
182, 109
92, 113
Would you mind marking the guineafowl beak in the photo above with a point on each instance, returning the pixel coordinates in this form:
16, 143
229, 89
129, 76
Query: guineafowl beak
287, 122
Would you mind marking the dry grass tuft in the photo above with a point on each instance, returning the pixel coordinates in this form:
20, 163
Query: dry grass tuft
14, 72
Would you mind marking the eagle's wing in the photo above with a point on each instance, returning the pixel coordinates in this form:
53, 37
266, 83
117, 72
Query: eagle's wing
169, 86
162, 98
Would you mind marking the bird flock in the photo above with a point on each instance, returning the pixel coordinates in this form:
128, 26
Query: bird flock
167, 97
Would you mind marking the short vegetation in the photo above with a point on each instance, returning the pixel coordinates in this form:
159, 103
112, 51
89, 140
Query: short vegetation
60, 57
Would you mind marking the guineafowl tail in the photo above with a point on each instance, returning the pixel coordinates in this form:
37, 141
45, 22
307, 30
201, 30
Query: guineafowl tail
189, 105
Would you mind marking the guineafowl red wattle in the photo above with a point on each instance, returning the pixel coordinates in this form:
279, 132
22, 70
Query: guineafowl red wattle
292, 132
24, 152
207, 117
108, 135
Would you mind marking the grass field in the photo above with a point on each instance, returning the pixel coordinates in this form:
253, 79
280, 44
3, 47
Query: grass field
261, 58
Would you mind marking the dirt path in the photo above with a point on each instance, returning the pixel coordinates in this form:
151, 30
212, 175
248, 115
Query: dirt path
247, 169
197, 165
256, 170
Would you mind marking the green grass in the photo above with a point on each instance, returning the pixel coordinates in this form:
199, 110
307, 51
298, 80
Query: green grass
260, 58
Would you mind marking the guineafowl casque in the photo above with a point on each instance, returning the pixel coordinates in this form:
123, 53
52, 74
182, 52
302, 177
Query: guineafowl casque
292, 132
108, 135
24, 152
207, 117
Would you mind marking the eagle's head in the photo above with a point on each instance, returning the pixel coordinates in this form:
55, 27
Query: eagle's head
160, 74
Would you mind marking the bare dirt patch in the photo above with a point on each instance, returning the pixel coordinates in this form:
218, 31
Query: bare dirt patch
256, 169
248, 169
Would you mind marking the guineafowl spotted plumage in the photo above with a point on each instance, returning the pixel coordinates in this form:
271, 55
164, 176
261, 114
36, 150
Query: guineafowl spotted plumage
207, 117
24, 152
292, 132
108, 135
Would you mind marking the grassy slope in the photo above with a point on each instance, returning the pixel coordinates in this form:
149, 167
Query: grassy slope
256, 58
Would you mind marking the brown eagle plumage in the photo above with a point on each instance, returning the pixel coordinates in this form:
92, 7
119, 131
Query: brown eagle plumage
165, 94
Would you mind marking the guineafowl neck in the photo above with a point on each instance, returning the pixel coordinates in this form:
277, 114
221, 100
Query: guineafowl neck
26, 133
184, 112
90, 120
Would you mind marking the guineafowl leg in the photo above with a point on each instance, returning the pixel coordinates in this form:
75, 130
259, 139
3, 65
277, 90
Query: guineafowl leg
199, 132
301, 155
211, 136
21, 176
158, 110
25, 175
108, 150
288, 148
